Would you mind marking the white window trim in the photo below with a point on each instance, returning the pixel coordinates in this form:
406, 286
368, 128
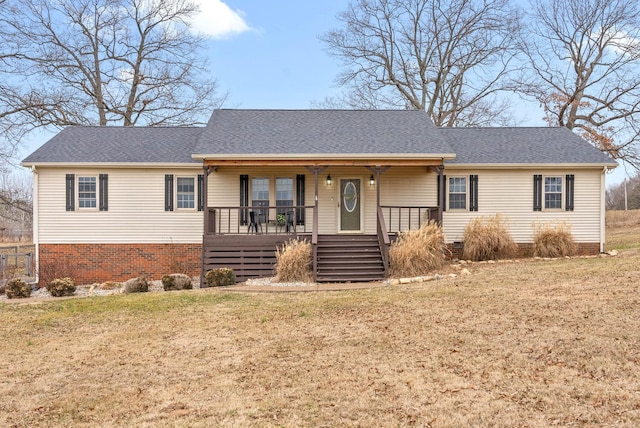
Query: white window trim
195, 192
466, 193
77, 192
563, 179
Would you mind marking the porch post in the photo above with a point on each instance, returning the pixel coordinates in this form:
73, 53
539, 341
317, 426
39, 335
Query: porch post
314, 236
205, 189
443, 197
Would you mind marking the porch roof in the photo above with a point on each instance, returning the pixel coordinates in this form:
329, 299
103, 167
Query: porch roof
331, 135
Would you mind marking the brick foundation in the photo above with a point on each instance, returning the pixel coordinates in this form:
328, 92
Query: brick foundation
526, 249
93, 263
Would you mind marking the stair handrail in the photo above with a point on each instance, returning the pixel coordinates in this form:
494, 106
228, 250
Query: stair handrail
383, 241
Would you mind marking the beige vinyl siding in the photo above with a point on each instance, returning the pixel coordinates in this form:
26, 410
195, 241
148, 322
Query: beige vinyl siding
510, 192
136, 209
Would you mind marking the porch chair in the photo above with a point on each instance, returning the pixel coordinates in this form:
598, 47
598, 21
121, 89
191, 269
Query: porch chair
254, 222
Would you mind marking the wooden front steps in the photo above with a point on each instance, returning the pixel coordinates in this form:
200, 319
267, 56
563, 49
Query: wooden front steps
349, 258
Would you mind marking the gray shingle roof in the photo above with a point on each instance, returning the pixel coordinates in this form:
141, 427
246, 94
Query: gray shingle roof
521, 145
318, 132
111, 144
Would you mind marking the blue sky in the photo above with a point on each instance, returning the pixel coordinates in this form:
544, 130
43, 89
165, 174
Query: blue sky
277, 59
268, 55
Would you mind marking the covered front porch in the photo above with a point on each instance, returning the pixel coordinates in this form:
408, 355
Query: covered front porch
349, 211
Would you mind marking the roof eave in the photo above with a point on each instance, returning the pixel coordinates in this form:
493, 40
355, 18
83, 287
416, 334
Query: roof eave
609, 166
111, 164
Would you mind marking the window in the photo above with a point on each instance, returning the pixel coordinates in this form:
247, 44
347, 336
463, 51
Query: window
553, 192
87, 192
457, 193
260, 196
184, 189
284, 194
186, 193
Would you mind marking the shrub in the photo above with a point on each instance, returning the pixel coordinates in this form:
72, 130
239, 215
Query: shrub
17, 288
293, 262
176, 281
220, 277
553, 241
61, 287
55, 267
487, 238
136, 285
3, 287
418, 251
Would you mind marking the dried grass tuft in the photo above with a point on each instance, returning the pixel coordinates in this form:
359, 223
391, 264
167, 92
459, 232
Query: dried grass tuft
293, 262
488, 238
553, 241
418, 251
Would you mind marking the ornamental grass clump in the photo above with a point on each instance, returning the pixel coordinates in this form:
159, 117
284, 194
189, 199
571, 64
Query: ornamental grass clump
60, 287
293, 262
488, 238
17, 289
220, 277
553, 241
418, 251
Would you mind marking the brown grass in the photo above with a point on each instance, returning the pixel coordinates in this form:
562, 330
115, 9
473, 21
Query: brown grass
553, 240
293, 262
488, 238
418, 251
534, 343
623, 229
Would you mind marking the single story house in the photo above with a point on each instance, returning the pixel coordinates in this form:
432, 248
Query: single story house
118, 202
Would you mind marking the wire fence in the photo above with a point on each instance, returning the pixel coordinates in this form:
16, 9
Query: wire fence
17, 261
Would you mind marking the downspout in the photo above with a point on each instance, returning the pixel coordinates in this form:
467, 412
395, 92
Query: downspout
602, 209
35, 222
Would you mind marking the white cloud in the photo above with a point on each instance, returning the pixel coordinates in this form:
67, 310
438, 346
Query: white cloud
218, 20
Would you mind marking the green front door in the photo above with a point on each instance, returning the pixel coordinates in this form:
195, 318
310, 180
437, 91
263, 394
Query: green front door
350, 204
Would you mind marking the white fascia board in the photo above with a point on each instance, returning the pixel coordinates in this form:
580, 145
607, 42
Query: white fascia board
323, 156
114, 165
530, 166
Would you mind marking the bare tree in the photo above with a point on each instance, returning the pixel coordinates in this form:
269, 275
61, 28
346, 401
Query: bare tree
448, 57
16, 214
584, 60
101, 62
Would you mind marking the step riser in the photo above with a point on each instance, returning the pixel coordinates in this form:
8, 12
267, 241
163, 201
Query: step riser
349, 258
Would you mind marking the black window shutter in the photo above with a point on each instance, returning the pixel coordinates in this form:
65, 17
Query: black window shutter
168, 192
569, 179
200, 192
244, 198
71, 192
537, 192
473, 193
300, 198
104, 192
443, 193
